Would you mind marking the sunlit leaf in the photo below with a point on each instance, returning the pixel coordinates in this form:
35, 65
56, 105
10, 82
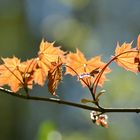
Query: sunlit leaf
126, 57
48, 53
9, 73
76, 64
138, 42
137, 58
39, 76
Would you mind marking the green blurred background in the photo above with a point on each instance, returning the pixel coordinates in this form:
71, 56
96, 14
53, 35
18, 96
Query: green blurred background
93, 26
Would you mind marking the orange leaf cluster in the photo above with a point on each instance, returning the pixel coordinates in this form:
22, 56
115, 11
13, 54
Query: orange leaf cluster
48, 66
18, 74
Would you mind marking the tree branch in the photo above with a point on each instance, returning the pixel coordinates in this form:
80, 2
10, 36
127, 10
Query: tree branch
78, 105
54, 100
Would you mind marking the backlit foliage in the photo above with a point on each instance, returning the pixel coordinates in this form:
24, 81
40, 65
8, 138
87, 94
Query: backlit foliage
50, 61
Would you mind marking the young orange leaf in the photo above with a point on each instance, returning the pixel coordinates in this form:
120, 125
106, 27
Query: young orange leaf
39, 76
28, 66
34, 70
138, 43
76, 64
45, 67
137, 58
76, 61
9, 73
27, 69
16, 74
48, 53
126, 57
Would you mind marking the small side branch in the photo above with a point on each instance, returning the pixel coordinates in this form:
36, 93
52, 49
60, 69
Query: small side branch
78, 105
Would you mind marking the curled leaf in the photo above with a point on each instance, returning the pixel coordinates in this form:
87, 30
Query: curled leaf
99, 94
84, 101
54, 76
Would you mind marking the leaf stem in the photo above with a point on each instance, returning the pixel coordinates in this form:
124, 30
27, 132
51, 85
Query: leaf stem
77, 75
95, 84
